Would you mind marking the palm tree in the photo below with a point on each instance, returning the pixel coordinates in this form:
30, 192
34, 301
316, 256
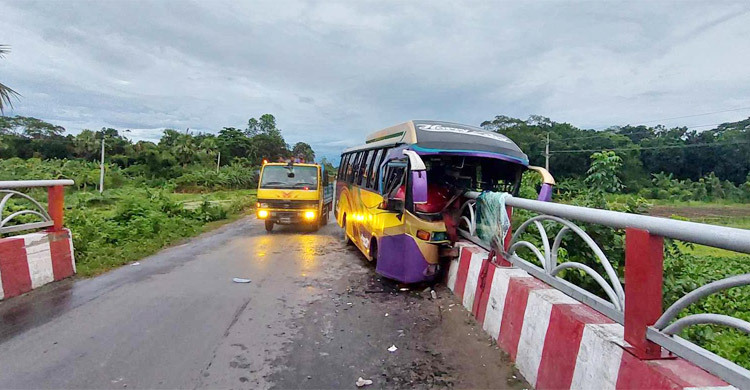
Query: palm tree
6, 92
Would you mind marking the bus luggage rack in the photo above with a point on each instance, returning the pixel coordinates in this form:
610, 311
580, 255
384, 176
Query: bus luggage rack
638, 306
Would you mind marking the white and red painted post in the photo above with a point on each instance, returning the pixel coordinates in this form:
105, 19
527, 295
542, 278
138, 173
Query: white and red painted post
644, 271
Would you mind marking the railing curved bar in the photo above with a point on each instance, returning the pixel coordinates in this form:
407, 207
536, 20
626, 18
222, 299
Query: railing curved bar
11, 193
611, 294
537, 253
707, 318
699, 293
545, 241
22, 212
558, 242
611, 274
472, 220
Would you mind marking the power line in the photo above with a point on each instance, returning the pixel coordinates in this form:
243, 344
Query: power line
695, 115
649, 147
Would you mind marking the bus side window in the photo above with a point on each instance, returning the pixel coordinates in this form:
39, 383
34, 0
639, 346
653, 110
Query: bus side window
365, 169
350, 167
372, 179
354, 170
342, 167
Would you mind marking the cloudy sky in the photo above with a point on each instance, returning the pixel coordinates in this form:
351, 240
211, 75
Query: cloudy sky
333, 71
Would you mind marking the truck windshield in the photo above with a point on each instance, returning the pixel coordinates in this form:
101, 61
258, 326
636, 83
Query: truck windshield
295, 177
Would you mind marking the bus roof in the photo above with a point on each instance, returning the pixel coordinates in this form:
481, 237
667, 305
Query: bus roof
435, 137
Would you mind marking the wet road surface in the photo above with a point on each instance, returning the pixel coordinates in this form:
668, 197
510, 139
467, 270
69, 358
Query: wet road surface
315, 315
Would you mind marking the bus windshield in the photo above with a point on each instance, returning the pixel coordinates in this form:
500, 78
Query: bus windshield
294, 177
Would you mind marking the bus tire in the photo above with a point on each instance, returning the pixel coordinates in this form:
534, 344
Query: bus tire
374, 251
346, 239
269, 225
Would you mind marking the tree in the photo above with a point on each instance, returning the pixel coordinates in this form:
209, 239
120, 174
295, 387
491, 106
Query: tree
85, 145
184, 149
6, 93
602, 175
304, 151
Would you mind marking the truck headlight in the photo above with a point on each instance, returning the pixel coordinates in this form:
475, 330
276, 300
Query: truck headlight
262, 205
309, 215
262, 214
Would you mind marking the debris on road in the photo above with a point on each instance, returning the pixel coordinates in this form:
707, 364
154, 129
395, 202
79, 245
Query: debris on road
433, 294
392, 348
241, 280
403, 289
136, 263
386, 314
363, 382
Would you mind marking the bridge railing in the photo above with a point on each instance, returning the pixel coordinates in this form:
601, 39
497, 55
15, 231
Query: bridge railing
637, 305
50, 218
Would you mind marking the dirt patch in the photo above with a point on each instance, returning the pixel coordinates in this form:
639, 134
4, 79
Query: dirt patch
693, 212
346, 335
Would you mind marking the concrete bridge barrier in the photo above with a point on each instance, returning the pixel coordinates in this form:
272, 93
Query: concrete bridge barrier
34, 258
562, 335
556, 341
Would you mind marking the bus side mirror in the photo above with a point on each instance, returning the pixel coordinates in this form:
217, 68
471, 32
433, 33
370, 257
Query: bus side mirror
419, 187
545, 193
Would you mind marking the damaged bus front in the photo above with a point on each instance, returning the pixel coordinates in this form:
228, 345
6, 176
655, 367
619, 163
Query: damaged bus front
398, 196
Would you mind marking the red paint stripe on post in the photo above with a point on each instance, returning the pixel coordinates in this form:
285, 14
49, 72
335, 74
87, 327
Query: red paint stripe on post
562, 343
637, 374
483, 291
644, 269
513, 313
463, 271
14, 267
62, 259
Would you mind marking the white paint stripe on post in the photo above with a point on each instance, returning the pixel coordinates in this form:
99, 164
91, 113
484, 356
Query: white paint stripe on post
39, 257
534, 329
72, 252
2, 292
453, 271
599, 357
472, 277
493, 316
711, 388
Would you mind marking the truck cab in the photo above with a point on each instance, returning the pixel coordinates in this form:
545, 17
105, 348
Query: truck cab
293, 194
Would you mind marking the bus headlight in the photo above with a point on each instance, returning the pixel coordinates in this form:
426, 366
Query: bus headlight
262, 214
309, 215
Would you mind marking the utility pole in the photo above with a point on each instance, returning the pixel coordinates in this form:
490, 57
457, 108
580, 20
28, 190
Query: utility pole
101, 165
546, 154
218, 162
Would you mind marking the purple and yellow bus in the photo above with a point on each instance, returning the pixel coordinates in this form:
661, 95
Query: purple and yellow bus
398, 195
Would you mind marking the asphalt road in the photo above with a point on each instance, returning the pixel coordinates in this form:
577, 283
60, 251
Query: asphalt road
315, 315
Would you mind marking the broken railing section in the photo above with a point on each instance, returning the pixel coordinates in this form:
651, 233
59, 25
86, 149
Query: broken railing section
638, 307
50, 218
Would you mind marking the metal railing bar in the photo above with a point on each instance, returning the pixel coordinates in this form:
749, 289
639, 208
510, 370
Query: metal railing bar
35, 183
26, 226
699, 293
729, 371
707, 318
704, 234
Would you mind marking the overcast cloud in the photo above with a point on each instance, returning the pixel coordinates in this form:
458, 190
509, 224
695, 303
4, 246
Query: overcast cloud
333, 71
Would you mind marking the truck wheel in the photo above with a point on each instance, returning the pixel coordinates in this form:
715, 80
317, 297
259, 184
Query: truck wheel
269, 226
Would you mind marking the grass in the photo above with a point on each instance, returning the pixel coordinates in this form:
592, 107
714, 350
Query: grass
127, 223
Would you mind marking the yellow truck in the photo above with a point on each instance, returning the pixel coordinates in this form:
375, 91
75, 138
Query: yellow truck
294, 194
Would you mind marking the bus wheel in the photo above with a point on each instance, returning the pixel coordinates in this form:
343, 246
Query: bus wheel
346, 239
374, 251
269, 226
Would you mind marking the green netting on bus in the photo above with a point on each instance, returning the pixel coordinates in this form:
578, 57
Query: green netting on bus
493, 222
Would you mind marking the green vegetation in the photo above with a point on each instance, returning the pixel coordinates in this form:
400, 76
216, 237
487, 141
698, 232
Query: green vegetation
156, 193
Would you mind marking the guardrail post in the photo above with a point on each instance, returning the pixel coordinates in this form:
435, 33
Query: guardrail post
501, 260
55, 206
644, 271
